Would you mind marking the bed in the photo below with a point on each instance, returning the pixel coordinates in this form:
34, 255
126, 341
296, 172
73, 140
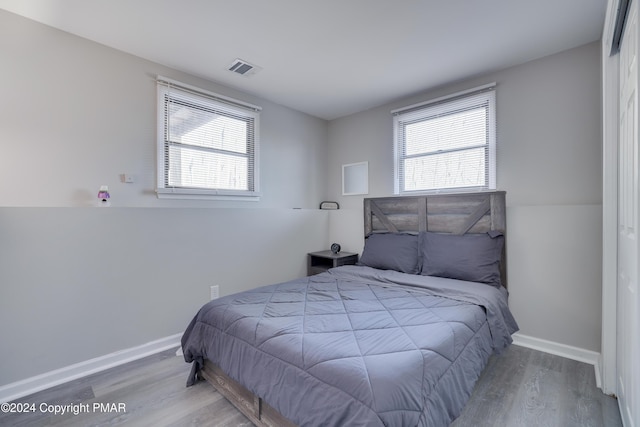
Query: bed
399, 339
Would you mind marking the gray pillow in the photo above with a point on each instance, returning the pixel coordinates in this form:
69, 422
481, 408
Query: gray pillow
471, 257
391, 251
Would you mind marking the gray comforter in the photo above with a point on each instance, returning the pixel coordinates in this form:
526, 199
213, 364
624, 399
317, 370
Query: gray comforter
356, 346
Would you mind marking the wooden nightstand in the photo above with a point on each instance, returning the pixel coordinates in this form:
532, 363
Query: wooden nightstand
318, 262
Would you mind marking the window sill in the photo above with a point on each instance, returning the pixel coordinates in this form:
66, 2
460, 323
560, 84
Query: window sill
453, 190
187, 194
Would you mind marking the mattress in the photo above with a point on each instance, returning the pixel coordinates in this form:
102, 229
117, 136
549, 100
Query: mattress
355, 345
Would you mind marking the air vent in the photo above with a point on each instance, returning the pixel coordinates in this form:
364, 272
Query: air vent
243, 68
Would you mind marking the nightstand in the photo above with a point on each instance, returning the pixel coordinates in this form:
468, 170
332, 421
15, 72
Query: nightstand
318, 262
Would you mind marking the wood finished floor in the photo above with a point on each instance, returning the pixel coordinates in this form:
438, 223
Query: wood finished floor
521, 387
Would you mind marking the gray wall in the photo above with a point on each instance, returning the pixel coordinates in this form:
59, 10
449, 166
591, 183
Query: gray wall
549, 162
78, 282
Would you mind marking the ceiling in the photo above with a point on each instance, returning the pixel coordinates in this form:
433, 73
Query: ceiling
329, 58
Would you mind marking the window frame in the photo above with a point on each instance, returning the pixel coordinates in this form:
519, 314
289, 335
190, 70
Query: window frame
447, 105
208, 100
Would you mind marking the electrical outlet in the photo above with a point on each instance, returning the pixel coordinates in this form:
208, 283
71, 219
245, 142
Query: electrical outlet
215, 292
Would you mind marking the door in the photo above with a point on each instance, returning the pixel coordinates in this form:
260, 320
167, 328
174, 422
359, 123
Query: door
628, 250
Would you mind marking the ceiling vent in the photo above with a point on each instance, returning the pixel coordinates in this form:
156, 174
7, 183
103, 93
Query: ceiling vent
243, 68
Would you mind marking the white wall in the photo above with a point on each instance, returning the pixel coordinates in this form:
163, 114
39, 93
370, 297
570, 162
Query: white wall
78, 282
549, 162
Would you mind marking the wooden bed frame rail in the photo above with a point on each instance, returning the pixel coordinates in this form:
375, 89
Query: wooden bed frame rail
253, 407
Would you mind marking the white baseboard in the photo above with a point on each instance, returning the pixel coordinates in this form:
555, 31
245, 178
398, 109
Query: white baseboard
563, 350
50, 379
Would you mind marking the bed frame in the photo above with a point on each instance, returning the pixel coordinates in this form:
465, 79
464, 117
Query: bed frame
253, 407
459, 213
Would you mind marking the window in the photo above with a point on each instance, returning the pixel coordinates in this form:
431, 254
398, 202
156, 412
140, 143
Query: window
447, 144
207, 144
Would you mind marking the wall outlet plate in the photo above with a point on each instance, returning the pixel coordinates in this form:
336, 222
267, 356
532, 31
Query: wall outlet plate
215, 292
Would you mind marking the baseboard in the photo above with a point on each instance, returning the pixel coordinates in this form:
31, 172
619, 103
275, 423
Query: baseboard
563, 350
50, 379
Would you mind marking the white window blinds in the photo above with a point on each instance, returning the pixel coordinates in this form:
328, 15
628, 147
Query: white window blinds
207, 143
446, 144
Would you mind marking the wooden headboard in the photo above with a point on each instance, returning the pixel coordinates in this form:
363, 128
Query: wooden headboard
459, 213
